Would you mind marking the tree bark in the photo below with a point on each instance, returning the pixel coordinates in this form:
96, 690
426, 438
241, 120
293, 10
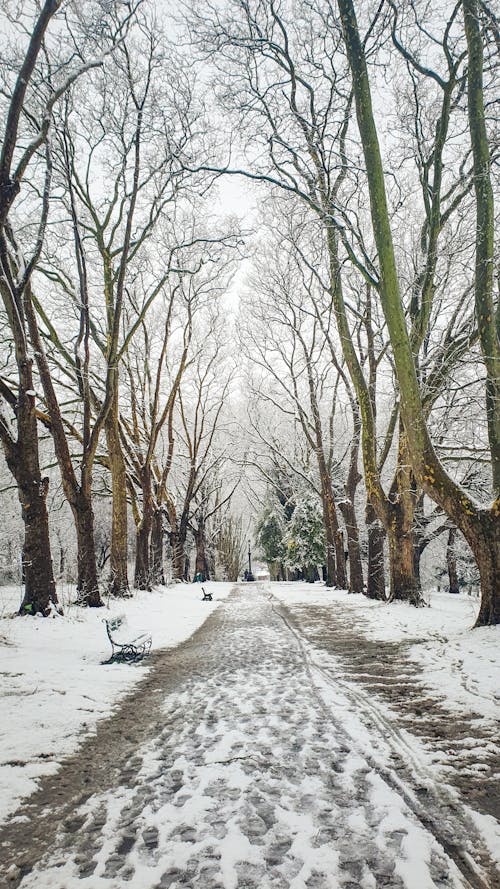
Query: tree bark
24, 463
451, 562
176, 543
375, 584
336, 572
330, 548
142, 576
118, 582
183, 532
87, 584
40, 589
417, 558
177, 546
156, 550
486, 548
486, 311
356, 582
404, 584
405, 580
78, 495
201, 563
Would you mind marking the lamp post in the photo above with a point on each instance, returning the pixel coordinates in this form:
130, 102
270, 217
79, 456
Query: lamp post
250, 575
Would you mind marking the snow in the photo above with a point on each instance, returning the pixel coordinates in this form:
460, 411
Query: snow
488, 827
261, 777
271, 769
52, 683
459, 664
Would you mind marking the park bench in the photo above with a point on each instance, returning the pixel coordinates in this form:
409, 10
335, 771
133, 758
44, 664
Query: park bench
207, 597
122, 650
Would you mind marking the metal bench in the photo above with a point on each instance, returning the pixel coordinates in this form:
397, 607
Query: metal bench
207, 597
134, 650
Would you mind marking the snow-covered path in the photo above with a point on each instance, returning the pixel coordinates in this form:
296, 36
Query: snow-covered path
252, 770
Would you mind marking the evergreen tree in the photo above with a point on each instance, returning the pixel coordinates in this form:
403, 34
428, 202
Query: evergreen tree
305, 538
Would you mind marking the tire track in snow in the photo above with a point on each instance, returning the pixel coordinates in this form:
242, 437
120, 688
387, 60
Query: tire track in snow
464, 745
441, 807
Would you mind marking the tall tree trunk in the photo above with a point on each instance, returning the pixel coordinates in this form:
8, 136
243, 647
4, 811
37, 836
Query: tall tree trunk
405, 581
335, 559
142, 575
375, 581
418, 549
420, 539
347, 507
340, 566
23, 461
201, 563
178, 558
62, 560
486, 548
356, 584
118, 582
451, 562
79, 496
40, 589
23, 458
87, 583
330, 548
336, 572
176, 542
486, 309
405, 584
156, 551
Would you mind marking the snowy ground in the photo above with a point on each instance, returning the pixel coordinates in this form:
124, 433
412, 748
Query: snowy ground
250, 757
260, 772
461, 666
53, 687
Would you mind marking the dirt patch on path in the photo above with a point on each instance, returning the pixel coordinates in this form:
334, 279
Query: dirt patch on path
462, 745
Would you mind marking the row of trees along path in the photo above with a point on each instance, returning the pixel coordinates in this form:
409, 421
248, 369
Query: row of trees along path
112, 145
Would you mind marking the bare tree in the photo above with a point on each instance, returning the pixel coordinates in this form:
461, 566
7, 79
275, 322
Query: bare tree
298, 102
50, 66
288, 343
480, 525
155, 367
118, 166
202, 404
229, 545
